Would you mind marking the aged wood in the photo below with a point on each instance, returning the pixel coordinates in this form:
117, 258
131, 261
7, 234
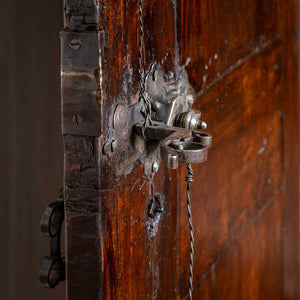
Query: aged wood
252, 140
241, 58
249, 269
81, 15
80, 83
81, 126
219, 35
80, 64
82, 216
290, 119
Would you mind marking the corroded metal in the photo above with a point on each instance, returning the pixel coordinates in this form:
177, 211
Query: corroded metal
52, 269
80, 83
178, 145
173, 134
154, 211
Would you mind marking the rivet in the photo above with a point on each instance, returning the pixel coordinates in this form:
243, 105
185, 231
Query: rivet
75, 44
155, 166
156, 106
203, 125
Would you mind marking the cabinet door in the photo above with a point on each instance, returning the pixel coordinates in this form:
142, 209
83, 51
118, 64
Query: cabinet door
241, 62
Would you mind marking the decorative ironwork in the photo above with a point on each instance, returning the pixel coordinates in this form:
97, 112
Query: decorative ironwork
173, 134
52, 269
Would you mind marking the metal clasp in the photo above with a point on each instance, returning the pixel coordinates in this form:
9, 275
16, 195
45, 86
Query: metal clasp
178, 145
174, 133
174, 123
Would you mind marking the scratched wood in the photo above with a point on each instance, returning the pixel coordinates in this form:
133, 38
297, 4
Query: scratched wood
241, 59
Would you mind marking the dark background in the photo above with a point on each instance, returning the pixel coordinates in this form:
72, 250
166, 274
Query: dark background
31, 157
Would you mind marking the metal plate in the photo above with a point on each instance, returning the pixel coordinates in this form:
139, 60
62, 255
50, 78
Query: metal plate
80, 83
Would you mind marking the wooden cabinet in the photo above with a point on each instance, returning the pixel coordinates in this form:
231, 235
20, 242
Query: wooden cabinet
241, 59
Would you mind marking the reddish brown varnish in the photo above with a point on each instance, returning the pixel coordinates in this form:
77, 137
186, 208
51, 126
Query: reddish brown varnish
243, 66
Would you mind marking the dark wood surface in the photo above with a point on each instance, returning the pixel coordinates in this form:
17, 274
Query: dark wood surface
243, 67
31, 150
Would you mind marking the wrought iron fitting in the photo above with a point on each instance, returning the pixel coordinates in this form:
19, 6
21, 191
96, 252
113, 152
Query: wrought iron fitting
174, 133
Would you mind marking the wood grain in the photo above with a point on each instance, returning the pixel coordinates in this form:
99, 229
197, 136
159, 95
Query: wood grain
290, 148
246, 149
249, 269
134, 263
81, 15
218, 35
244, 199
82, 216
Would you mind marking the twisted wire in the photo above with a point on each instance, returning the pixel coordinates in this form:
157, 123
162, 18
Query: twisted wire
189, 179
143, 96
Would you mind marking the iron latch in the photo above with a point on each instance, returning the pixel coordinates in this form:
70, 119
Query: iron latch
177, 145
174, 133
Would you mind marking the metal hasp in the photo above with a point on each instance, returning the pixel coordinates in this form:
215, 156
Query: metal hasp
178, 145
173, 134
52, 269
174, 123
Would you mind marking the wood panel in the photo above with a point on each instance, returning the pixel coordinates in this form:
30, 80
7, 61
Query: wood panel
218, 35
82, 216
134, 263
82, 166
246, 151
250, 268
290, 109
240, 57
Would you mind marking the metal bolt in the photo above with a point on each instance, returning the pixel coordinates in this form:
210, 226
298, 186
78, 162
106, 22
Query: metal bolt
114, 145
156, 106
203, 125
194, 122
75, 44
155, 166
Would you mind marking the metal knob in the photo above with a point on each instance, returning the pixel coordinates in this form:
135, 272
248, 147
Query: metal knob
190, 120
